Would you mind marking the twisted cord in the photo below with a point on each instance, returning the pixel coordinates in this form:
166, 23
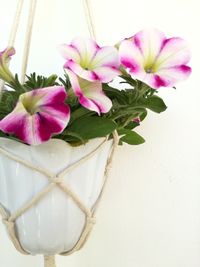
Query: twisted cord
49, 261
89, 18
28, 36
14, 29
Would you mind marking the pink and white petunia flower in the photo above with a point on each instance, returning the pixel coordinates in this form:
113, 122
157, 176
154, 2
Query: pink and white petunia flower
5, 57
91, 62
90, 94
152, 58
38, 115
7, 53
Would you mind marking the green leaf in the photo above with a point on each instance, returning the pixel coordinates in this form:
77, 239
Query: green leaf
90, 127
131, 137
17, 86
38, 81
79, 113
143, 115
116, 95
129, 79
8, 102
153, 103
132, 125
73, 136
65, 82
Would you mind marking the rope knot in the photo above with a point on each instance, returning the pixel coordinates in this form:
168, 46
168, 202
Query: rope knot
91, 220
56, 179
9, 224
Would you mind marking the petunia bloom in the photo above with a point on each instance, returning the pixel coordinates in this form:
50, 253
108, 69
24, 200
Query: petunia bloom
152, 58
6, 54
90, 94
137, 120
91, 62
38, 115
5, 57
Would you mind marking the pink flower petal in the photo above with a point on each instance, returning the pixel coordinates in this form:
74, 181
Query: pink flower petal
69, 52
38, 115
19, 123
137, 120
155, 60
7, 53
174, 74
106, 56
78, 70
47, 124
15, 123
131, 57
149, 42
174, 52
100, 100
86, 47
105, 74
44, 96
92, 60
102, 74
90, 94
48, 95
155, 81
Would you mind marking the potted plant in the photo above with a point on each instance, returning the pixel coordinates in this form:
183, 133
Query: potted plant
56, 133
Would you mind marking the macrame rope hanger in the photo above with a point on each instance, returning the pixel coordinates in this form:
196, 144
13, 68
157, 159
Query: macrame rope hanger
28, 36
89, 18
54, 179
13, 32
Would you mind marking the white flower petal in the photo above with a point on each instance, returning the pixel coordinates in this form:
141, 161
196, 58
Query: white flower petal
174, 52
106, 56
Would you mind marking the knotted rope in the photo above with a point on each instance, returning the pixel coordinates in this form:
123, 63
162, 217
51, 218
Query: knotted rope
54, 180
57, 180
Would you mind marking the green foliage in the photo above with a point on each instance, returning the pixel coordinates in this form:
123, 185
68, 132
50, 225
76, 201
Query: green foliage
38, 81
132, 103
130, 137
65, 82
9, 98
128, 104
80, 112
7, 102
16, 85
83, 129
153, 103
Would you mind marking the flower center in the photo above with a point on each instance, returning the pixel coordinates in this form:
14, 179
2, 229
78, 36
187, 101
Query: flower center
148, 70
150, 66
30, 104
86, 63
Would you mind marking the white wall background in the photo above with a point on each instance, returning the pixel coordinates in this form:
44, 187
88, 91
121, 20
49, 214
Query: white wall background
150, 216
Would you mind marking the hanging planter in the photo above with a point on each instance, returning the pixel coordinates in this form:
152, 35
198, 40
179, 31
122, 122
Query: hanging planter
58, 134
49, 193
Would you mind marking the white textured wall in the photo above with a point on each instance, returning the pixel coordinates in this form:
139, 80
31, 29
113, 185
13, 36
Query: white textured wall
150, 216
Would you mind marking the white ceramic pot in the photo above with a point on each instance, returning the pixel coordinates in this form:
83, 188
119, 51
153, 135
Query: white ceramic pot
54, 224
